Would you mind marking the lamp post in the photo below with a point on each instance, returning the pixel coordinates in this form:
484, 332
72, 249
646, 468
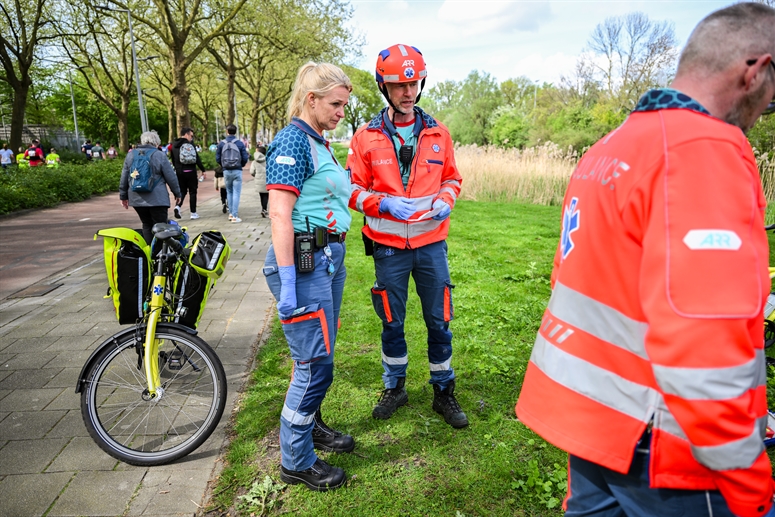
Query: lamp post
75, 117
145, 111
143, 121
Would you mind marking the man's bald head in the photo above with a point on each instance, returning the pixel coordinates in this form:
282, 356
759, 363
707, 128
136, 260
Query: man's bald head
727, 36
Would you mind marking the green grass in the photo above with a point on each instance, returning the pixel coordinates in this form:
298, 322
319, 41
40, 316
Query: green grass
500, 258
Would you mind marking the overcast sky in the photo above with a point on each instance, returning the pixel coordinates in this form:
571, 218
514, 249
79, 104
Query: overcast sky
537, 39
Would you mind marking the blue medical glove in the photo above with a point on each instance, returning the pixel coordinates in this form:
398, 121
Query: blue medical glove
398, 207
287, 302
445, 210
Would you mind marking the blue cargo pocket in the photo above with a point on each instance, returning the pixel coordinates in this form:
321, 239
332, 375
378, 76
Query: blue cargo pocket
307, 334
272, 280
449, 308
379, 298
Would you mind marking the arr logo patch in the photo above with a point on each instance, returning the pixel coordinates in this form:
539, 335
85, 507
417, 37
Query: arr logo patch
285, 160
712, 240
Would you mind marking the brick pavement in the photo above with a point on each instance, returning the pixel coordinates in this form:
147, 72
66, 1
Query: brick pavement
48, 463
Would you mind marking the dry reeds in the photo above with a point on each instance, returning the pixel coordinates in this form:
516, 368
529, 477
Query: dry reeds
534, 175
767, 172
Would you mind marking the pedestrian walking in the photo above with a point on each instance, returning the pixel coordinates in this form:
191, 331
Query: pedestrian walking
408, 227
21, 159
111, 153
34, 156
232, 156
309, 191
185, 160
144, 180
649, 366
97, 152
6, 157
86, 149
258, 171
52, 159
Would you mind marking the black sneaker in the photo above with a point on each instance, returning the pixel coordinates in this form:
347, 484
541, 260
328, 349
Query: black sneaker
326, 439
176, 211
390, 400
224, 208
319, 477
445, 403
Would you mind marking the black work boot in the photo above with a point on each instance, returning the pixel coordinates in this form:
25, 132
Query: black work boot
319, 477
390, 400
326, 439
444, 403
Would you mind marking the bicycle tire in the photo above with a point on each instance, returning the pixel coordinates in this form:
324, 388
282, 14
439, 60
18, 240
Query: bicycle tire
131, 427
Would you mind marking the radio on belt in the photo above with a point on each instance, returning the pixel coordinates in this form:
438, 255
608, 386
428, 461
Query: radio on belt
305, 251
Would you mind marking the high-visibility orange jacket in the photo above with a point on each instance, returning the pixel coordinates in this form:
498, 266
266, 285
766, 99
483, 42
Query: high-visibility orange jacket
375, 174
656, 313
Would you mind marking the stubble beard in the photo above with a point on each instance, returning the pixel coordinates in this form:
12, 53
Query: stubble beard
744, 115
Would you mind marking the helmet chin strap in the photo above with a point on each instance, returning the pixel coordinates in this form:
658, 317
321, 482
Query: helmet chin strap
383, 90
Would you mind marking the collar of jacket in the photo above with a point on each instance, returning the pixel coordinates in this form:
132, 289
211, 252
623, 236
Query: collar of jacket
428, 121
306, 128
668, 98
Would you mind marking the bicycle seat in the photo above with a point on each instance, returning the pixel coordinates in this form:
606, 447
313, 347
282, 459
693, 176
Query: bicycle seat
165, 231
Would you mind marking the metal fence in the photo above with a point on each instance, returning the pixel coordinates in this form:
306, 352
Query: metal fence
55, 136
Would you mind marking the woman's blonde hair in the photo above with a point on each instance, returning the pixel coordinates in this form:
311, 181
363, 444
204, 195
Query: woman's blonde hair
316, 78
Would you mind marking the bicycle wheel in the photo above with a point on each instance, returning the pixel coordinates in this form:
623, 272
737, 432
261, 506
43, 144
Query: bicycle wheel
129, 425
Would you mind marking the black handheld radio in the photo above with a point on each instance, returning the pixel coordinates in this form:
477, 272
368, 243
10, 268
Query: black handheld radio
305, 251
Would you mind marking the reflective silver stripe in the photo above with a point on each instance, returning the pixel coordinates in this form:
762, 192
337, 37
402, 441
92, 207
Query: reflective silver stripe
454, 183
739, 454
443, 367
403, 50
361, 199
390, 78
423, 73
600, 385
664, 420
712, 383
296, 418
598, 319
401, 229
451, 192
396, 361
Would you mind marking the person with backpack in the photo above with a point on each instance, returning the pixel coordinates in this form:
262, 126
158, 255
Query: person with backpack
34, 155
232, 156
258, 171
186, 159
144, 180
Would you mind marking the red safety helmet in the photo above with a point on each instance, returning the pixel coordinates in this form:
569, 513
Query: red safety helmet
400, 64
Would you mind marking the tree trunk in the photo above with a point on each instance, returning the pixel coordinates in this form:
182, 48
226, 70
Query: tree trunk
230, 94
180, 92
254, 126
123, 125
171, 120
17, 112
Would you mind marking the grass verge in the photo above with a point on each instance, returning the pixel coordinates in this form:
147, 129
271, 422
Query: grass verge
414, 463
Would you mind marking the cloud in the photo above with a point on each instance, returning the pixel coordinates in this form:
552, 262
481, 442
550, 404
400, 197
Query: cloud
544, 68
487, 16
398, 5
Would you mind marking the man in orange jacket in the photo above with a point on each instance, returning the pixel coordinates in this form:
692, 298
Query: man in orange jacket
649, 366
405, 182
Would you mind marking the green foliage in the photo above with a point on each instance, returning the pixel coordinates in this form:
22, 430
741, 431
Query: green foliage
36, 187
510, 128
470, 106
365, 100
208, 159
340, 152
415, 464
261, 498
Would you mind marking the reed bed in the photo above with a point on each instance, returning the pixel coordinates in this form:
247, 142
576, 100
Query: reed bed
767, 171
536, 175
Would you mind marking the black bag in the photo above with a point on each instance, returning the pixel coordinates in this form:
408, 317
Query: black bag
131, 281
191, 293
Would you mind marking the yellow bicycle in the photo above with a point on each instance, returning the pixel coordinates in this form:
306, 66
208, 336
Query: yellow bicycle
154, 392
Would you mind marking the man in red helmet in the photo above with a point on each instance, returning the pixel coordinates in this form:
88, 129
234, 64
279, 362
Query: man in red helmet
405, 182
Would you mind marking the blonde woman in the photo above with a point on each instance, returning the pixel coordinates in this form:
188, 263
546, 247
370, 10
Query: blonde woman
308, 192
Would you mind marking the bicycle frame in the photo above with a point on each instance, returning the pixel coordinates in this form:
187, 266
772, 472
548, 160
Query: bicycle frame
155, 308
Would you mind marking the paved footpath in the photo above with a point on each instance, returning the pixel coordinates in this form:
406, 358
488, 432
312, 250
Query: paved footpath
48, 463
